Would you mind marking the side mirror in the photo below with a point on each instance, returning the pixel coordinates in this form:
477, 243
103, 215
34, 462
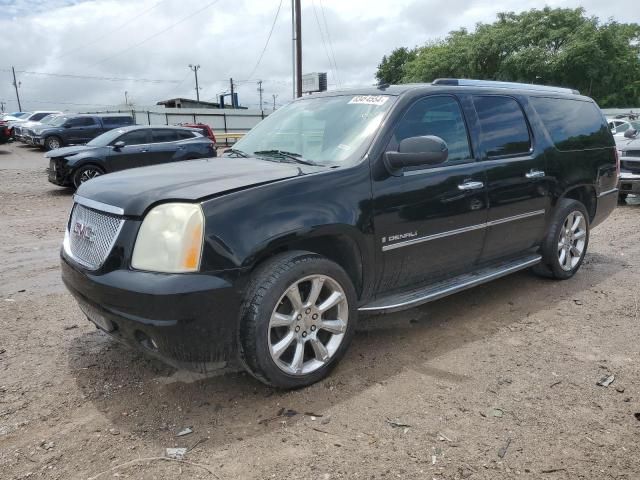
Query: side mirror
426, 151
630, 133
118, 145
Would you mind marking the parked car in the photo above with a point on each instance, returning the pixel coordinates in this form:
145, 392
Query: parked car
629, 152
619, 126
77, 129
27, 134
12, 115
20, 129
15, 125
124, 148
340, 203
5, 133
203, 128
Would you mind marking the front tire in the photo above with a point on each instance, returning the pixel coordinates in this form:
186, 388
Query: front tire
565, 245
622, 198
86, 173
297, 319
52, 142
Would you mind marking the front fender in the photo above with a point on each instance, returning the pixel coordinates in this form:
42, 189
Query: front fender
244, 227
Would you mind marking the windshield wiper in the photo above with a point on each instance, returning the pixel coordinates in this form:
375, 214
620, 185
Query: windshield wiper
296, 157
235, 151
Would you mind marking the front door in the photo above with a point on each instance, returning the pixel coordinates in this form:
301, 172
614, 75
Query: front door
165, 147
517, 181
428, 222
135, 152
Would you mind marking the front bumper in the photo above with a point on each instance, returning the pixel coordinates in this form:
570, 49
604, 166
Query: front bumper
629, 183
187, 320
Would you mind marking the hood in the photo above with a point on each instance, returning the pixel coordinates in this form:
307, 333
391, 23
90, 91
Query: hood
137, 189
68, 151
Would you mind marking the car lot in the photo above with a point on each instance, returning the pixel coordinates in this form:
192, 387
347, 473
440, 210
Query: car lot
496, 382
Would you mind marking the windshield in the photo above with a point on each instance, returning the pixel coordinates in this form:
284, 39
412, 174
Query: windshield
56, 122
322, 130
23, 115
48, 120
106, 138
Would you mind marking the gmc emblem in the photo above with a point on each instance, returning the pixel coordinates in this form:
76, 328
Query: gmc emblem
83, 231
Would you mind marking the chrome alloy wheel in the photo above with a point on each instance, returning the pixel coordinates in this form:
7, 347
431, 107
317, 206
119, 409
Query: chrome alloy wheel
308, 324
572, 240
53, 143
88, 174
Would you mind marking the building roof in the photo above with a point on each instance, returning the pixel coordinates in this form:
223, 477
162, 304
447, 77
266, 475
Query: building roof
190, 100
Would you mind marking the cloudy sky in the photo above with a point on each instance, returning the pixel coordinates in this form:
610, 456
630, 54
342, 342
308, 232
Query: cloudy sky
144, 47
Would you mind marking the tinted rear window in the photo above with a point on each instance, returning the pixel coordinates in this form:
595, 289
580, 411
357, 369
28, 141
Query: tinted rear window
504, 128
573, 124
184, 134
162, 135
117, 121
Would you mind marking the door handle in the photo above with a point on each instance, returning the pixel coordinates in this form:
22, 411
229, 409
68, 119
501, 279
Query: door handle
470, 185
534, 173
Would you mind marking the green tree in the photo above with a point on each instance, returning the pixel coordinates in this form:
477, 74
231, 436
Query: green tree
549, 46
391, 68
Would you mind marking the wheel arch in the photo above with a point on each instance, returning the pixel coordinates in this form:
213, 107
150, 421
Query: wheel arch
340, 245
585, 194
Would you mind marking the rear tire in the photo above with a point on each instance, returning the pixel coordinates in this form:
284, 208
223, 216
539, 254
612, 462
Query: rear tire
297, 319
565, 245
622, 198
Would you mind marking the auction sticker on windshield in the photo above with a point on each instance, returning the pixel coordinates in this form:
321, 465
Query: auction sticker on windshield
369, 99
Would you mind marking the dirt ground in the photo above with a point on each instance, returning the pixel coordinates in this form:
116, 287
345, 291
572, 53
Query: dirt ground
496, 382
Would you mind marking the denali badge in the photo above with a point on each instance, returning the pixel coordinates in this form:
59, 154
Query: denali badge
83, 231
400, 236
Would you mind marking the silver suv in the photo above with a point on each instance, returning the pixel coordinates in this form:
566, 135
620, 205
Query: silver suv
629, 152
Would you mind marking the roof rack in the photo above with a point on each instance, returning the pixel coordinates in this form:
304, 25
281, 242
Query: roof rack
464, 82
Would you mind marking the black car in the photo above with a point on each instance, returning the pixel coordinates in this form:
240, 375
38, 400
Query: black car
339, 204
75, 129
124, 148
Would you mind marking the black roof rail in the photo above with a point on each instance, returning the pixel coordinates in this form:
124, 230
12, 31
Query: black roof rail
465, 82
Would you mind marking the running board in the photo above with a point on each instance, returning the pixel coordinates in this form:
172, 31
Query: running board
414, 298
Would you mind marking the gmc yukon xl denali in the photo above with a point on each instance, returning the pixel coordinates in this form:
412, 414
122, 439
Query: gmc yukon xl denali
339, 204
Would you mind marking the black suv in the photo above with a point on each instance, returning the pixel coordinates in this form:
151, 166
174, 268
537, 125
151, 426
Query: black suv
340, 203
124, 148
75, 129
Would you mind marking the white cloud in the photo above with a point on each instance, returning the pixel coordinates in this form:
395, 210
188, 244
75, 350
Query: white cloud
108, 38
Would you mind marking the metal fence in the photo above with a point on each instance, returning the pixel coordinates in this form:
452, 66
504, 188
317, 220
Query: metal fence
221, 121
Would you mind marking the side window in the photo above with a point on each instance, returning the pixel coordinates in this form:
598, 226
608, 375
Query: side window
440, 116
623, 127
81, 122
574, 124
137, 137
184, 134
162, 135
38, 116
503, 126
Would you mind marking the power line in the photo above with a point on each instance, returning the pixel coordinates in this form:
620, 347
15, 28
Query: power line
92, 77
96, 40
324, 43
273, 25
183, 19
333, 53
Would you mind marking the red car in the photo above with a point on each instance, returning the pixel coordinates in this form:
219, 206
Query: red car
203, 129
5, 132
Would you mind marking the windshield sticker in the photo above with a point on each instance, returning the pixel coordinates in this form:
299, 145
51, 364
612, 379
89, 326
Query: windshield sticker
369, 99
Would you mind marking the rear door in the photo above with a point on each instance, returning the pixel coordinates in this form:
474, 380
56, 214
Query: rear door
165, 147
429, 222
517, 181
82, 129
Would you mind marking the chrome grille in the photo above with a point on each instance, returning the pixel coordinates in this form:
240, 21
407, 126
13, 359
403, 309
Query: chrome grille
91, 235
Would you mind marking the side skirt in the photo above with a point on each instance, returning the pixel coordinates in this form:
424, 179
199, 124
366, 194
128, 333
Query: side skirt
413, 298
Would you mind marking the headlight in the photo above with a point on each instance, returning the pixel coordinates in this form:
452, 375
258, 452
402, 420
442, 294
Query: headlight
170, 239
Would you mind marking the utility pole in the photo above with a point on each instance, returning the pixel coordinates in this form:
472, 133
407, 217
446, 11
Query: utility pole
274, 101
16, 85
2, 104
293, 48
260, 90
126, 98
233, 97
195, 69
298, 48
